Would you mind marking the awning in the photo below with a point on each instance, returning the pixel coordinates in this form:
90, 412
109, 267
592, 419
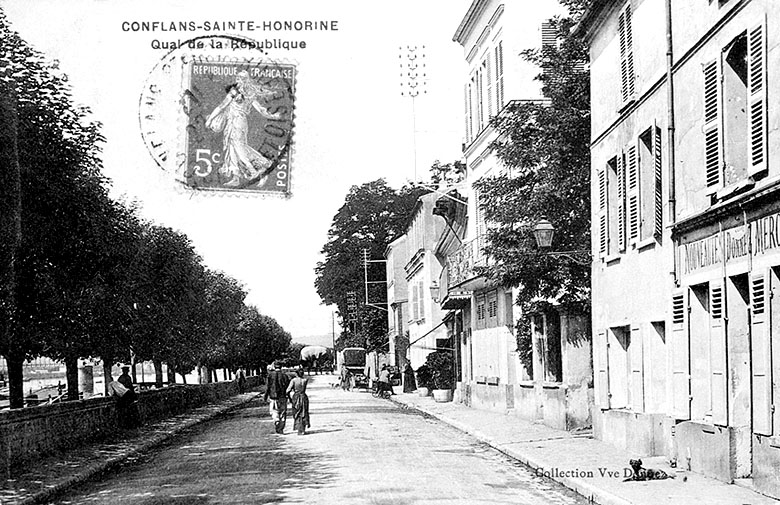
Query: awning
456, 300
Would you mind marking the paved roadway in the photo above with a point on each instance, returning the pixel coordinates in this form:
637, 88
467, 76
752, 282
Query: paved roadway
360, 450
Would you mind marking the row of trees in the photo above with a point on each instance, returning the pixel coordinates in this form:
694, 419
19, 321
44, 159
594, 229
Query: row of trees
81, 275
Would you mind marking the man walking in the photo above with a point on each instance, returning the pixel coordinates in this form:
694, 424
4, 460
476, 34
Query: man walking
276, 390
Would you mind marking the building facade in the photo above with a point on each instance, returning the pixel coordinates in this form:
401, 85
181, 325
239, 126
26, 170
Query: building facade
685, 207
422, 270
396, 256
555, 388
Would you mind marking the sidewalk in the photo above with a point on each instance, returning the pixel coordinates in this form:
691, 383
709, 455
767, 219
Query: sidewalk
590, 467
52, 476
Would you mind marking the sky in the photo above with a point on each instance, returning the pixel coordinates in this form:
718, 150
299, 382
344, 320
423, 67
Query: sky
352, 125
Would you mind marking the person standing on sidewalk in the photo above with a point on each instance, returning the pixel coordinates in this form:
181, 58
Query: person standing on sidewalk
276, 390
127, 403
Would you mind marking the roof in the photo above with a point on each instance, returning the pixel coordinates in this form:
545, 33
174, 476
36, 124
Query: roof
467, 23
592, 17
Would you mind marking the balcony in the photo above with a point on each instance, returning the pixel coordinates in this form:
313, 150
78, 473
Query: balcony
455, 280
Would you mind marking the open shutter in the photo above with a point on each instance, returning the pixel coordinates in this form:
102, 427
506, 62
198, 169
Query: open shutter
658, 207
680, 349
761, 353
636, 351
602, 216
489, 80
621, 202
626, 54
415, 307
499, 60
757, 118
712, 155
467, 114
718, 360
632, 183
602, 364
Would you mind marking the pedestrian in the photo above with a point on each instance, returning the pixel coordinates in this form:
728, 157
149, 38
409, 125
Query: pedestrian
346, 378
127, 403
409, 383
383, 382
276, 390
241, 380
300, 402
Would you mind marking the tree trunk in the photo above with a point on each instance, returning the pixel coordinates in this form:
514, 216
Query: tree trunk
133, 373
184, 378
158, 373
15, 364
72, 377
107, 365
171, 374
225, 374
214, 376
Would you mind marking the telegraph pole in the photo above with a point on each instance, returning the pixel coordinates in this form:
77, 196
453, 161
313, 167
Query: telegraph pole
413, 83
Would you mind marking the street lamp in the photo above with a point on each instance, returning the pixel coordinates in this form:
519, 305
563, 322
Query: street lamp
544, 232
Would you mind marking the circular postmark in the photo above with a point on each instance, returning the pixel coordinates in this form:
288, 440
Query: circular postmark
217, 113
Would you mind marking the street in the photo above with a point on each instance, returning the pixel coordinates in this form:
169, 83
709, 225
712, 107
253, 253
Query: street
360, 449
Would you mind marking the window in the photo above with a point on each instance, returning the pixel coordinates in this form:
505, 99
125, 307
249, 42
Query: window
625, 35
650, 200
415, 304
489, 81
481, 312
498, 53
421, 300
547, 337
734, 94
491, 302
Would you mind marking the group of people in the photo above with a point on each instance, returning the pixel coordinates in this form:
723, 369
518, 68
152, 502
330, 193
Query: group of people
279, 388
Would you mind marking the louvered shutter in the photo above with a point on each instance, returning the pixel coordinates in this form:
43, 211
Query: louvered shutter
489, 80
757, 118
621, 202
636, 352
626, 54
632, 183
658, 207
712, 152
602, 370
499, 54
602, 216
761, 352
421, 299
467, 116
718, 361
680, 350
415, 306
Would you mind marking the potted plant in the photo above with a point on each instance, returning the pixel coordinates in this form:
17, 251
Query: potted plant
443, 380
424, 379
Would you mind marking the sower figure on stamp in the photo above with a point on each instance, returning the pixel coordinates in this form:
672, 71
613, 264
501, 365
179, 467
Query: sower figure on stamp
240, 161
276, 390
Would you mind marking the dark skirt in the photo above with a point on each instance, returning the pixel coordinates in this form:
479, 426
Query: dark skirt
409, 382
300, 406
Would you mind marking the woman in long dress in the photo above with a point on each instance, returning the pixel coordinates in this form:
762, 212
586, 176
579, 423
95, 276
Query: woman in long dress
300, 402
240, 161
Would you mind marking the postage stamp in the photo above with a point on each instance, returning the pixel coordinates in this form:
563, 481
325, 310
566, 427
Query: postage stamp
221, 120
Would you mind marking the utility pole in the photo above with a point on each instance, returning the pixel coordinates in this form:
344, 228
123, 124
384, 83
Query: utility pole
413, 83
10, 239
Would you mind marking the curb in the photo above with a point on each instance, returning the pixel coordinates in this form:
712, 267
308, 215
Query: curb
91, 471
585, 489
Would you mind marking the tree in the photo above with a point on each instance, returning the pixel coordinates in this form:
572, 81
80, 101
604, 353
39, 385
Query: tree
372, 216
61, 191
545, 146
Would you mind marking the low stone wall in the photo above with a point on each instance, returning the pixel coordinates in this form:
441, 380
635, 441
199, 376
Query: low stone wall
31, 433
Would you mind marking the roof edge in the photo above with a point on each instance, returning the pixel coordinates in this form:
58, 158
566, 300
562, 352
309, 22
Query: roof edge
476, 7
592, 17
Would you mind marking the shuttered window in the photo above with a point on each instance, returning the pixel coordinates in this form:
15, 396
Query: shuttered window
680, 355
658, 207
498, 54
621, 202
718, 359
712, 127
632, 190
761, 351
625, 35
601, 354
488, 79
650, 207
603, 213
757, 116
636, 382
